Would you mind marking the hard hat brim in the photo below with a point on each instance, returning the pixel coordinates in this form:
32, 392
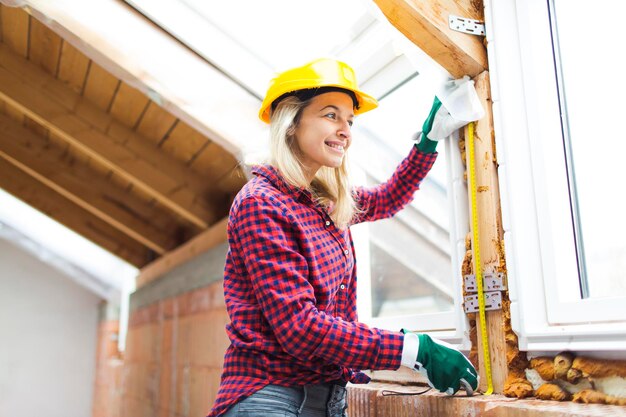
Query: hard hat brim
319, 73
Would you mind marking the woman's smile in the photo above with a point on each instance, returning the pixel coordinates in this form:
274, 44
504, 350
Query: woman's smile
336, 146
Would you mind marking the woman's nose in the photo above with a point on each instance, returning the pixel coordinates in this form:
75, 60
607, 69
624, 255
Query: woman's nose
344, 130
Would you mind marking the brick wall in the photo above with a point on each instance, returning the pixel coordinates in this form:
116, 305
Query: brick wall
173, 360
108, 382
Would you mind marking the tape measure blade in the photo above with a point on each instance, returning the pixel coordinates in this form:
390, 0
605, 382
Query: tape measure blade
477, 261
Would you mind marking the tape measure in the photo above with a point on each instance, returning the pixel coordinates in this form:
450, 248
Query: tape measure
477, 263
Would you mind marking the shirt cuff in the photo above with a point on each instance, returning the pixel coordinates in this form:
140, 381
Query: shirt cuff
409, 350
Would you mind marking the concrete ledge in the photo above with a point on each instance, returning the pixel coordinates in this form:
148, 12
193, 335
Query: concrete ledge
369, 401
196, 273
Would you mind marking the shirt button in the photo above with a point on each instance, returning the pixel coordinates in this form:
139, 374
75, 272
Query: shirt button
346, 251
343, 287
327, 223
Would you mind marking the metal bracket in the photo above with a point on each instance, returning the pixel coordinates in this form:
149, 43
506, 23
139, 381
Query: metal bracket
493, 301
465, 25
491, 282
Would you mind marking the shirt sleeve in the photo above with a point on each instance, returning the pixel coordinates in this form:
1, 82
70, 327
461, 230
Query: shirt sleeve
268, 234
387, 199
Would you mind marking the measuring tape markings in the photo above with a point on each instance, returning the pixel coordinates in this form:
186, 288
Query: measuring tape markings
477, 262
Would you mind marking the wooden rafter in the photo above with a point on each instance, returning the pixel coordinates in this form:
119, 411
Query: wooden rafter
56, 206
44, 46
199, 104
15, 30
52, 167
425, 23
71, 117
73, 67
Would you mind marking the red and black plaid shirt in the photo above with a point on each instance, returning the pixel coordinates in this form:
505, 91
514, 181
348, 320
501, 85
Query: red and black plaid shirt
290, 286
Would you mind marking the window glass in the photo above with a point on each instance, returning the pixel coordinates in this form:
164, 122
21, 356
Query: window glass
408, 257
591, 97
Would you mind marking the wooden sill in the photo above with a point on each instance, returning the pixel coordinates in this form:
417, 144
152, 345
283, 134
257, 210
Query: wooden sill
368, 401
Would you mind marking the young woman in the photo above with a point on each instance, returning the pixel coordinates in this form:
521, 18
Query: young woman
290, 275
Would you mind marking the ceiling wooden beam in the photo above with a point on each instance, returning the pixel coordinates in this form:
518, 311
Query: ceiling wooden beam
64, 211
44, 47
14, 29
65, 113
425, 23
56, 169
198, 103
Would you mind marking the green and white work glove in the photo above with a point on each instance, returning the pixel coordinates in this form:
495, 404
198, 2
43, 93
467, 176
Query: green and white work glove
445, 367
454, 106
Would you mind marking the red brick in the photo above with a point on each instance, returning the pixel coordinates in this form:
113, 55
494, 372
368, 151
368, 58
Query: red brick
199, 394
168, 308
199, 300
216, 291
208, 338
166, 386
182, 390
182, 341
184, 304
167, 335
130, 354
213, 384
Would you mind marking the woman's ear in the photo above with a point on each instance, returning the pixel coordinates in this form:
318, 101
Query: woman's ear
291, 130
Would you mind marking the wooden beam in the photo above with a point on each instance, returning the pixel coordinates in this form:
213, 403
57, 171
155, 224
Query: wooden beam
64, 211
100, 86
68, 115
12, 112
201, 243
185, 142
425, 23
214, 162
73, 67
15, 29
44, 47
52, 167
490, 234
155, 124
214, 106
128, 105
374, 401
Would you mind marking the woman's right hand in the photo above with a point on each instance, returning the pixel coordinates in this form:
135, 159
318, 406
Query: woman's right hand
445, 367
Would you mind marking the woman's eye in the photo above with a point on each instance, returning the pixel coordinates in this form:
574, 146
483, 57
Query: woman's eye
350, 123
331, 116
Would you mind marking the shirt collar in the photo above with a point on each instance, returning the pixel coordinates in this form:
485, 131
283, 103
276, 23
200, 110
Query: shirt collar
276, 179
300, 194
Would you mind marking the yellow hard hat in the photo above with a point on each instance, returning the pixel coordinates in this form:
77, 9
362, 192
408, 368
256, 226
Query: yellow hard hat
322, 72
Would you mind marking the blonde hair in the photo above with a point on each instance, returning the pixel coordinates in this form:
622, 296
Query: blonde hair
331, 186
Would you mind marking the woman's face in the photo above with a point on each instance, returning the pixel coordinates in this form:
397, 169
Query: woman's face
323, 133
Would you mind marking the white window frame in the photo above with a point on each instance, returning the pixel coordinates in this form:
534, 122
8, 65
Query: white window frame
546, 310
451, 326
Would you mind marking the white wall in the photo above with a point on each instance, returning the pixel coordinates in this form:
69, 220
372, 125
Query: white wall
48, 327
